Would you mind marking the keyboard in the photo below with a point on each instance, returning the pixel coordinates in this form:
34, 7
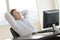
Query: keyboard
44, 31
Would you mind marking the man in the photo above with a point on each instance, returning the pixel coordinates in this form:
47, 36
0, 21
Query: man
16, 14
23, 23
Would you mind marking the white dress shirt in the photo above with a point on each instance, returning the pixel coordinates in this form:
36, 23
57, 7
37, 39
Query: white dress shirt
26, 24
24, 27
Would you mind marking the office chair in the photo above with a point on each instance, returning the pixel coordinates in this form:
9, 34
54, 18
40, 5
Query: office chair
16, 32
11, 20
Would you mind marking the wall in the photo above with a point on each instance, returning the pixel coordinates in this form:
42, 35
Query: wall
44, 5
58, 4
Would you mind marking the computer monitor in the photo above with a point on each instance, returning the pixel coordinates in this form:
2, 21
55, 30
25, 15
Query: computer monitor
50, 17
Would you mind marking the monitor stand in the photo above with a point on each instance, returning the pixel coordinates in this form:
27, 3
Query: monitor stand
54, 28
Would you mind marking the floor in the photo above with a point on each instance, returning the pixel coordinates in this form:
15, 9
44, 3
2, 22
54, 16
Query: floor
5, 32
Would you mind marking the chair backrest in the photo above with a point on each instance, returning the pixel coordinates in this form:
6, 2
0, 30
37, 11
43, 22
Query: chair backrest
22, 31
10, 19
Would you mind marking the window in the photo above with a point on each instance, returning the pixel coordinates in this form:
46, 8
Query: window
58, 3
20, 5
25, 4
3, 9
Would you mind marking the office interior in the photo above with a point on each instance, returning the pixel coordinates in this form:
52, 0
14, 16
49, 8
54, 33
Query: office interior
35, 17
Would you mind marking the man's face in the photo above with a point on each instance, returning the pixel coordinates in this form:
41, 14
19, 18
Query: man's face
17, 15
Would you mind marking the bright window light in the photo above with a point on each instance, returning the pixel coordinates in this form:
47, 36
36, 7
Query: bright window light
2, 12
25, 4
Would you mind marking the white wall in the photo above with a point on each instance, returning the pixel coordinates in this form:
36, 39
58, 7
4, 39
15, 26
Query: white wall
58, 4
44, 5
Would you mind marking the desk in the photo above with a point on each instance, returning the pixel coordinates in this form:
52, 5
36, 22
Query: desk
48, 37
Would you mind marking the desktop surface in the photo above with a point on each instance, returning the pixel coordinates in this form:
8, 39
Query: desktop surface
42, 36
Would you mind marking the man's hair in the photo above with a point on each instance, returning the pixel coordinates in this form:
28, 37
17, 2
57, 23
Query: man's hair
12, 11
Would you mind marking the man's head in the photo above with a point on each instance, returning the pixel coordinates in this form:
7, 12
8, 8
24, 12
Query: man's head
16, 14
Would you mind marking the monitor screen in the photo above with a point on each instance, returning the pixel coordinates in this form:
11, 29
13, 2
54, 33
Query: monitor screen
50, 17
